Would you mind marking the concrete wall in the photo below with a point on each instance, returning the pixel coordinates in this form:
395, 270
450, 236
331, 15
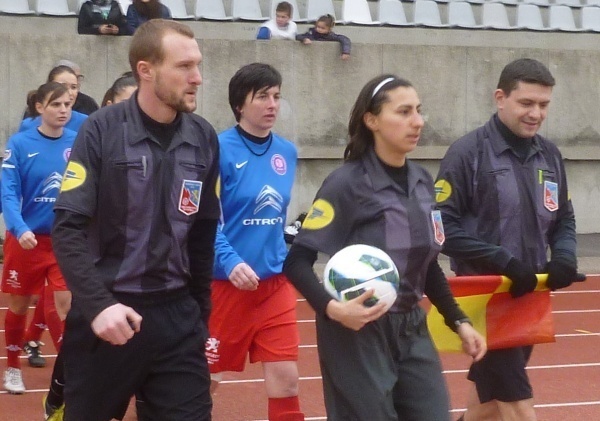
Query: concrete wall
454, 71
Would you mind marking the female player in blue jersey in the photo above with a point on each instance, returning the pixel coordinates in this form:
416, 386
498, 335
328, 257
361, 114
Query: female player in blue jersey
34, 162
379, 365
66, 76
254, 305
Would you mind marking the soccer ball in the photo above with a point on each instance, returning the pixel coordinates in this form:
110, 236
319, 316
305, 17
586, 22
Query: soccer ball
356, 268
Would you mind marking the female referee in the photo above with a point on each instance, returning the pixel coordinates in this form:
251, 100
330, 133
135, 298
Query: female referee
379, 365
32, 170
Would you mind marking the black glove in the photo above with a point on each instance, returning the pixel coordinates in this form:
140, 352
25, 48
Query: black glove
560, 274
523, 279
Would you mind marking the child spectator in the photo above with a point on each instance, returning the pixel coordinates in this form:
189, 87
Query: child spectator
323, 32
282, 27
101, 17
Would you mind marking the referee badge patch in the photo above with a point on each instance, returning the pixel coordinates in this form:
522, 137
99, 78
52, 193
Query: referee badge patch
189, 198
438, 227
551, 195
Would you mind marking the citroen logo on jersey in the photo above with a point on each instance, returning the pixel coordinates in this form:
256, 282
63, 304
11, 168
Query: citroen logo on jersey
268, 197
52, 182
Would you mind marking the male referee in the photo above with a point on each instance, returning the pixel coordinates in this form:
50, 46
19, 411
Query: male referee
502, 191
134, 236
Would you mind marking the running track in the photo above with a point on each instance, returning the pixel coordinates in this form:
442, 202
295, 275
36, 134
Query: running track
565, 375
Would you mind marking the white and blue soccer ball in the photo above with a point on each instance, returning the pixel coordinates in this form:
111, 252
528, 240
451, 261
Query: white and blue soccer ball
356, 268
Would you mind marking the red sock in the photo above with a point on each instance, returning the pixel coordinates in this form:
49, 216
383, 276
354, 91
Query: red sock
55, 325
14, 330
37, 326
285, 409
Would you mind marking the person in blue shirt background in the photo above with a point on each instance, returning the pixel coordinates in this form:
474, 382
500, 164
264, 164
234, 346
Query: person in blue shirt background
254, 305
141, 11
67, 77
34, 162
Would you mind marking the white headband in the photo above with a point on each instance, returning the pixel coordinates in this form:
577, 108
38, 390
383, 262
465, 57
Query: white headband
378, 87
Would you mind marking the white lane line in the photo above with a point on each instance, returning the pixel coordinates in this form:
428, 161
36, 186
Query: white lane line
4, 392
546, 405
25, 356
537, 367
575, 311
245, 381
581, 291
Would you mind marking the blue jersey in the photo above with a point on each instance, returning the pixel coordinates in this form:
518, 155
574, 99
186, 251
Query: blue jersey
31, 176
74, 122
255, 190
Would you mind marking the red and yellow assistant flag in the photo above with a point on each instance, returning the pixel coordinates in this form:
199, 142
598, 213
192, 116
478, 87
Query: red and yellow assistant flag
502, 320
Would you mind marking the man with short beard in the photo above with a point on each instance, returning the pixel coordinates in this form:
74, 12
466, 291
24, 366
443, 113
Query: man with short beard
135, 228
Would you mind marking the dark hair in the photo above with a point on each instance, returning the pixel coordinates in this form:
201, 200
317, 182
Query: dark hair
285, 7
54, 89
150, 10
525, 70
250, 79
124, 81
370, 100
327, 20
146, 43
59, 70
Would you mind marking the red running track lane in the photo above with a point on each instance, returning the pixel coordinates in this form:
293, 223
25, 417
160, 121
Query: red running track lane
565, 375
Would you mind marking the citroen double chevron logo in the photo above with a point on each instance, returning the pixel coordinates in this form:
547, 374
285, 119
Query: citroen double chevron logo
52, 182
268, 196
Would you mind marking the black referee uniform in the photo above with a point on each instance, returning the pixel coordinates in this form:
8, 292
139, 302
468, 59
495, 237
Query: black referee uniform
389, 369
135, 225
504, 197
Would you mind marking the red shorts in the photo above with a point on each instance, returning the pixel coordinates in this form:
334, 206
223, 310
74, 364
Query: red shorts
260, 323
25, 272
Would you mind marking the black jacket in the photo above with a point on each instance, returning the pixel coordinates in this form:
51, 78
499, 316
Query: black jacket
90, 18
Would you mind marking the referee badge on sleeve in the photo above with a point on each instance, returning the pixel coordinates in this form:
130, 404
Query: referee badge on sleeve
438, 227
189, 198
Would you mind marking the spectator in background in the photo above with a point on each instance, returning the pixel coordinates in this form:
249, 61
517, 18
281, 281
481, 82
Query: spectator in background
84, 104
282, 27
141, 11
322, 31
121, 89
67, 77
101, 17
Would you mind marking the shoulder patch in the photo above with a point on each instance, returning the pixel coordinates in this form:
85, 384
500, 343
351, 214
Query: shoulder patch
75, 175
443, 190
320, 215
